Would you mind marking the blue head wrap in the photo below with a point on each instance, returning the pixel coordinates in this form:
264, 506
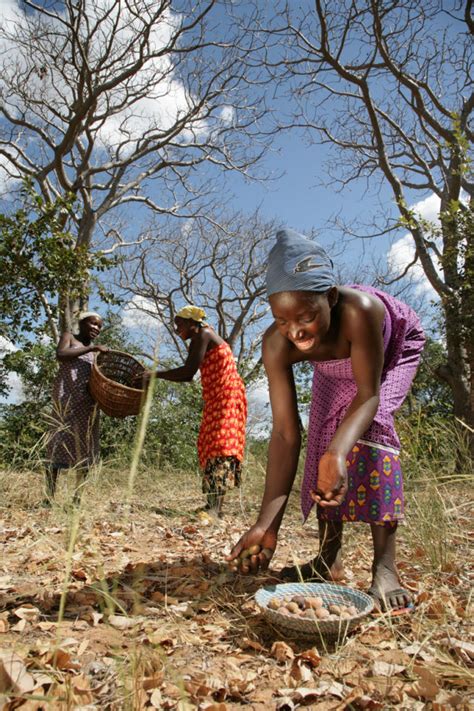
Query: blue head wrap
296, 263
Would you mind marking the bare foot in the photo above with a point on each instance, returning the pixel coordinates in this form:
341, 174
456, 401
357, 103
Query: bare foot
387, 591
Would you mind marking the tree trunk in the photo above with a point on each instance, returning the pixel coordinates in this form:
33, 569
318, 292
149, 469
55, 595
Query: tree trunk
457, 372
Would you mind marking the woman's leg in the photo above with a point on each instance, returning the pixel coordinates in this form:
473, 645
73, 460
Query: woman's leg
386, 587
219, 474
81, 476
214, 502
327, 565
50, 484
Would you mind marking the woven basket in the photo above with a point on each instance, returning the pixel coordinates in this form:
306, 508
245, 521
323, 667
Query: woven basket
307, 627
110, 383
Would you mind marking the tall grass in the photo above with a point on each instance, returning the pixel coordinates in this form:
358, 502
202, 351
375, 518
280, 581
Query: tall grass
434, 449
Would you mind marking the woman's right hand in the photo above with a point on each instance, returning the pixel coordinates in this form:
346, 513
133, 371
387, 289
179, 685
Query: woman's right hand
255, 536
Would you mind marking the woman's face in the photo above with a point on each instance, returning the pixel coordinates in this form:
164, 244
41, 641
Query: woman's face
302, 317
90, 327
182, 327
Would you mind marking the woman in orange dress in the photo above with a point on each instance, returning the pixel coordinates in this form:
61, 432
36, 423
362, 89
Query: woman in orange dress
221, 438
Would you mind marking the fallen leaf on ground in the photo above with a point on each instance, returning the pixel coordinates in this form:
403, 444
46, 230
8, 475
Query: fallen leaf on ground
122, 623
386, 669
13, 675
426, 686
282, 652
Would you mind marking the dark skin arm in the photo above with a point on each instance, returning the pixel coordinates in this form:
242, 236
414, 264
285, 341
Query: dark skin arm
186, 372
66, 350
283, 452
363, 329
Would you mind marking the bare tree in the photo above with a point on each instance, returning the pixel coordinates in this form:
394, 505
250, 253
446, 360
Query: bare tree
386, 84
219, 266
116, 103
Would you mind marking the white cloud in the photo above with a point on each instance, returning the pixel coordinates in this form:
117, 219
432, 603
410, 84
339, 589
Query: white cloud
141, 314
402, 252
259, 413
14, 383
9, 176
227, 115
6, 346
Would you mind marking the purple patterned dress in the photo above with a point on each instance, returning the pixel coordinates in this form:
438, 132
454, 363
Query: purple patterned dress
375, 492
74, 436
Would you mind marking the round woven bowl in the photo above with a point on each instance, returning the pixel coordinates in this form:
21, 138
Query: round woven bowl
330, 594
111, 383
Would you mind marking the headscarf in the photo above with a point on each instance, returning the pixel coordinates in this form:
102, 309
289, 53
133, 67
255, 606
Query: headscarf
88, 314
296, 263
192, 312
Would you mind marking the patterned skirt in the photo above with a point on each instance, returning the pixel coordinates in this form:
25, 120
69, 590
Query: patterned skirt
220, 473
375, 487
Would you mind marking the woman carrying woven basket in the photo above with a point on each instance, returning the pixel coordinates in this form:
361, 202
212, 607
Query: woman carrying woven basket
221, 438
74, 438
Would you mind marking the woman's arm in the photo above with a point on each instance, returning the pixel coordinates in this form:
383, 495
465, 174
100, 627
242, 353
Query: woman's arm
283, 453
367, 357
285, 440
65, 349
364, 331
185, 373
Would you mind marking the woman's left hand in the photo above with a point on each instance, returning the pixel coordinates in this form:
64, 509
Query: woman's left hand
332, 480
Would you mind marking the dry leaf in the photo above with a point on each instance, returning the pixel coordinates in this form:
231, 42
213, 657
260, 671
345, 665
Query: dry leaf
13, 674
163, 641
158, 596
122, 623
80, 625
300, 672
19, 627
386, 669
156, 699
82, 690
463, 649
358, 699
27, 612
282, 652
82, 647
426, 687
96, 618
4, 626
445, 701
417, 649
246, 643
307, 696
309, 657
60, 659
46, 626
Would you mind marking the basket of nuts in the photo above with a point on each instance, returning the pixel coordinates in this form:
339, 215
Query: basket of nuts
314, 609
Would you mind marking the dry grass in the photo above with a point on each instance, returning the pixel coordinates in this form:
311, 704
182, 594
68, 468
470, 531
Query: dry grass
129, 604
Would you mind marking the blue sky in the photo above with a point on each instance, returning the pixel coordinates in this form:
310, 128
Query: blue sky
301, 196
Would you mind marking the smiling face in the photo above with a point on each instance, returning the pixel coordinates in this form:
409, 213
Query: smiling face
90, 327
303, 317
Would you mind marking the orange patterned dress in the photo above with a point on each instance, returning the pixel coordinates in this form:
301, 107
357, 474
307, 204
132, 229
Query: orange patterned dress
222, 431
